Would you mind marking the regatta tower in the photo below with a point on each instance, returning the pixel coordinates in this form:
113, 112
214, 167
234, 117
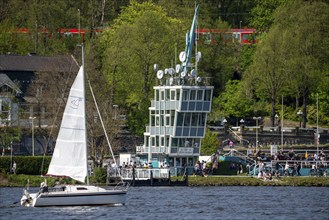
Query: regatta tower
178, 113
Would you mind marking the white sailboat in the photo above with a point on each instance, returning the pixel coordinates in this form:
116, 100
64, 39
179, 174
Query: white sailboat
70, 160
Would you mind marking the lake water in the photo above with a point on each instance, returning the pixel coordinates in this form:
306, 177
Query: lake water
187, 203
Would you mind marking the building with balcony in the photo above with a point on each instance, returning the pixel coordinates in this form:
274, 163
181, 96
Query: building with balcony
26, 110
177, 124
178, 113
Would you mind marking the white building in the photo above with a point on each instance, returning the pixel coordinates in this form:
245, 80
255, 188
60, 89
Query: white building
178, 113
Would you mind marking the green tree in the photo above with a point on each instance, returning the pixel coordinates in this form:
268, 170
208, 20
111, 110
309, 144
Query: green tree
44, 18
289, 60
128, 59
261, 16
266, 76
8, 136
210, 143
220, 59
306, 46
10, 42
99, 148
231, 103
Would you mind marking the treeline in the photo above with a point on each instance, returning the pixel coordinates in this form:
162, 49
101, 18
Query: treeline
288, 64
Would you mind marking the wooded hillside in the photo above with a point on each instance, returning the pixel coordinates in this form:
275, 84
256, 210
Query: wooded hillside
288, 63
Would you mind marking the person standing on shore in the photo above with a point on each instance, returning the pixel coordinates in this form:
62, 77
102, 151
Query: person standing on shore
14, 167
298, 169
286, 169
248, 168
231, 144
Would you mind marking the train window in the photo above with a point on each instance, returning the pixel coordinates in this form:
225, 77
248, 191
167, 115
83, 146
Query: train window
236, 36
245, 36
207, 38
227, 36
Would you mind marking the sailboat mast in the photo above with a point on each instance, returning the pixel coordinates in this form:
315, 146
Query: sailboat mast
317, 124
84, 103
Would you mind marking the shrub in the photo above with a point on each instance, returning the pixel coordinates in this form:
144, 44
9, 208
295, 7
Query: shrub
26, 164
99, 175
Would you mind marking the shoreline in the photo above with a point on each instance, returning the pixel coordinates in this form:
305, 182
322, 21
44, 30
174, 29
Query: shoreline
193, 181
253, 181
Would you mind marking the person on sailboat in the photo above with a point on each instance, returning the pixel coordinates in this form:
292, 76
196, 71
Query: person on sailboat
44, 187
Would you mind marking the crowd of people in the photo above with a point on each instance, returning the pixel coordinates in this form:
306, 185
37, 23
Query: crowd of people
280, 164
290, 155
201, 169
289, 164
204, 168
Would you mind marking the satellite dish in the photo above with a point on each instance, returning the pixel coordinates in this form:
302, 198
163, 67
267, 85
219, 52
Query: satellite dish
171, 71
182, 56
171, 81
198, 79
183, 74
193, 73
177, 68
198, 56
166, 71
156, 67
160, 74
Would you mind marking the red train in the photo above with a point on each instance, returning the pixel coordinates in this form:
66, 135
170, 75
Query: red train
207, 36
241, 35
61, 32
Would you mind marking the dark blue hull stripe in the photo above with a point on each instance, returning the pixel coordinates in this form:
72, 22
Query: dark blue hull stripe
81, 195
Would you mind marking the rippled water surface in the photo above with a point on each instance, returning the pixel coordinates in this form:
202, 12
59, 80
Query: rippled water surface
187, 203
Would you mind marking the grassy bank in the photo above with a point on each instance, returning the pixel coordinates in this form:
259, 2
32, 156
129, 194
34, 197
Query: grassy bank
251, 181
21, 181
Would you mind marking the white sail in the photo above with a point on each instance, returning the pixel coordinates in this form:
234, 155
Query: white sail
70, 159
70, 153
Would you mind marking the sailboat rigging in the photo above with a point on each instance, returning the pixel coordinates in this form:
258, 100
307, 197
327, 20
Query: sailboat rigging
70, 159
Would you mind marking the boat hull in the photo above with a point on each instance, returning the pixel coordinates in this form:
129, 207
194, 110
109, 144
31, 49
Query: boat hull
76, 196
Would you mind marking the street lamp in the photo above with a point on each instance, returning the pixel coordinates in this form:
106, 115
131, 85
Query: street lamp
32, 119
224, 125
115, 111
317, 124
276, 119
300, 113
11, 157
257, 118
